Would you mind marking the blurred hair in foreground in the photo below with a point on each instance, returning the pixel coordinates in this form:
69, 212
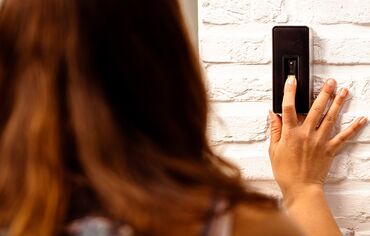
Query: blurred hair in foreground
103, 111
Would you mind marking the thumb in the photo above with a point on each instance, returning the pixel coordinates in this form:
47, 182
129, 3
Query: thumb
275, 128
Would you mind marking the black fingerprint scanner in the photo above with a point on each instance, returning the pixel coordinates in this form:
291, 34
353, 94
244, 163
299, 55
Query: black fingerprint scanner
292, 57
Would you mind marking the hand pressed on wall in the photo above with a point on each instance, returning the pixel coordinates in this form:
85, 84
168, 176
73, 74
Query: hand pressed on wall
301, 154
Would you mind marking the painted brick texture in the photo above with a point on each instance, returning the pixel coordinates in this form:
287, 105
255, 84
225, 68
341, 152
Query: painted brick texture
235, 48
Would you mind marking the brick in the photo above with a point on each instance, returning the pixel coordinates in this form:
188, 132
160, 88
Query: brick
222, 12
234, 46
343, 49
341, 44
363, 89
225, 12
347, 232
339, 169
253, 159
360, 170
241, 150
236, 123
363, 233
359, 164
238, 128
269, 11
350, 208
239, 83
330, 11
257, 167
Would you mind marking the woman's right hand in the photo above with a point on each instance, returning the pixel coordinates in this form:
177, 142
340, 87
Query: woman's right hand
301, 154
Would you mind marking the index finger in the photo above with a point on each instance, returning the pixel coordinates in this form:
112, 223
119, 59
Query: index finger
289, 115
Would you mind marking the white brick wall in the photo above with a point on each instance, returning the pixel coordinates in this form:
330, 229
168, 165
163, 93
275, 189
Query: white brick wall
235, 47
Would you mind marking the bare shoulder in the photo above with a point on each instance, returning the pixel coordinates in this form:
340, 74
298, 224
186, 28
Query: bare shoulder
253, 220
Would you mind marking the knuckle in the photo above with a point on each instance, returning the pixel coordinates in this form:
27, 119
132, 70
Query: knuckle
307, 135
318, 144
342, 138
287, 135
338, 102
322, 141
275, 129
356, 127
317, 108
330, 118
317, 141
330, 151
353, 129
288, 108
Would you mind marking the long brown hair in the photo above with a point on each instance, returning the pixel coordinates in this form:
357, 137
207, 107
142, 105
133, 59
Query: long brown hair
103, 111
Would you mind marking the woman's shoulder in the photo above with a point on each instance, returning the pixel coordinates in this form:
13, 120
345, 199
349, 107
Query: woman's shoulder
255, 220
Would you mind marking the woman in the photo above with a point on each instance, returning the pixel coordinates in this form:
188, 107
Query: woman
103, 131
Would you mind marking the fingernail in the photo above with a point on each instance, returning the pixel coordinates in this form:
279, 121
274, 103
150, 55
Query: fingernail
331, 83
343, 92
363, 120
291, 80
270, 115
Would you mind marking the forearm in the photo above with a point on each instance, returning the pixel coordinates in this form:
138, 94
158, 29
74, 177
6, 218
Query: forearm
310, 210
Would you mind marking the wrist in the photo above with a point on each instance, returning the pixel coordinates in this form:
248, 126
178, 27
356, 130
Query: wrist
302, 193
